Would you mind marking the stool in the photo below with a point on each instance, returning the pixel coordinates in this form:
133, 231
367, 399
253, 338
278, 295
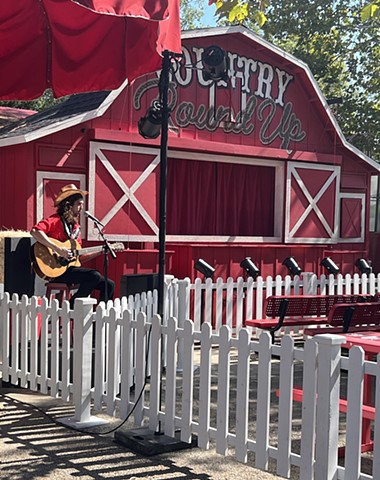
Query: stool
64, 290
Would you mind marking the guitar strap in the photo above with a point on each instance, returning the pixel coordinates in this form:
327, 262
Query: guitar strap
68, 228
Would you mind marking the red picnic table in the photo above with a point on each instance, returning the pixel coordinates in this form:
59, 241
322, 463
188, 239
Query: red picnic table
370, 343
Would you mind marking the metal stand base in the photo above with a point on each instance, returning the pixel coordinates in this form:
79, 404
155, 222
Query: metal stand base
92, 421
146, 442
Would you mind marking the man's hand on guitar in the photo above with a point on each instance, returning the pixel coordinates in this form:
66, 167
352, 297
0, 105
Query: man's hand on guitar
64, 252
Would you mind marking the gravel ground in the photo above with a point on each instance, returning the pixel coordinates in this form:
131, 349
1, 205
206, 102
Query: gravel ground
34, 446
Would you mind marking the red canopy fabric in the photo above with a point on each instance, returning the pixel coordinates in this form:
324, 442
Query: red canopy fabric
149, 9
58, 44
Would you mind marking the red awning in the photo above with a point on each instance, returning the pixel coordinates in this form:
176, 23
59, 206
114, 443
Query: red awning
58, 44
149, 9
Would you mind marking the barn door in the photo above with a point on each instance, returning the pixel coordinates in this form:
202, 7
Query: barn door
312, 207
124, 191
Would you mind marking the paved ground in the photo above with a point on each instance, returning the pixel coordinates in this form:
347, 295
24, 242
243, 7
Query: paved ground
34, 446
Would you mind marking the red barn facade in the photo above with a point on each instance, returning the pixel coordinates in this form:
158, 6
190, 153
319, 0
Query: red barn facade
257, 166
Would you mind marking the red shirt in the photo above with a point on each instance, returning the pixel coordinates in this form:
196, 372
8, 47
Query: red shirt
53, 227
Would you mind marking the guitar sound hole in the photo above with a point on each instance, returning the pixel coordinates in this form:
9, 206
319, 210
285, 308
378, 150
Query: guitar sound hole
63, 261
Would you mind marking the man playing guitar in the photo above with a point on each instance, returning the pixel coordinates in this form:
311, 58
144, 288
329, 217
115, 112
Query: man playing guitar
63, 226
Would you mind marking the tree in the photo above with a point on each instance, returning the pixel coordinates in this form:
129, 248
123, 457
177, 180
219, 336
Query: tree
343, 55
238, 11
371, 11
191, 14
342, 52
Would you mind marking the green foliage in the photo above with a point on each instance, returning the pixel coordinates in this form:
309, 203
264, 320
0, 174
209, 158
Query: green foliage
342, 52
371, 11
343, 55
45, 101
238, 11
191, 14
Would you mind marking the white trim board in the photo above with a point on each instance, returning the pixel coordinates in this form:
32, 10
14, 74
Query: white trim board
96, 151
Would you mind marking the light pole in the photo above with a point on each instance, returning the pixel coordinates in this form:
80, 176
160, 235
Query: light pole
164, 89
156, 121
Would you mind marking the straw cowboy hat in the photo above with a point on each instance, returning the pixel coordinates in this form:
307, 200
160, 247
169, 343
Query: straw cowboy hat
67, 191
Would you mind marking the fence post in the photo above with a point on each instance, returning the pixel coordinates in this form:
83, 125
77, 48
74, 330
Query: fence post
327, 415
82, 365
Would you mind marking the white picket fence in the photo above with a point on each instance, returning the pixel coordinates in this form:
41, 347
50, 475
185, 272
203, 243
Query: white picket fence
219, 387
232, 302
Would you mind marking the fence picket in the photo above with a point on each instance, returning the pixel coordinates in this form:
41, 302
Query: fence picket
219, 304
285, 406
207, 302
239, 303
100, 357
198, 303
15, 329
354, 413
249, 299
67, 330
309, 385
242, 395
205, 387
155, 346
113, 364
126, 359
23, 339
376, 428
5, 331
263, 400
229, 301
45, 320
187, 381
223, 390
327, 427
171, 378
140, 373
54, 349
34, 315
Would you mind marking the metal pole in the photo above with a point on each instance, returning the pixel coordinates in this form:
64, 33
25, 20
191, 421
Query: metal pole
164, 88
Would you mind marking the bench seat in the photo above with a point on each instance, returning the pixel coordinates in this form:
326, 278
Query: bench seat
268, 323
311, 332
349, 318
302, 310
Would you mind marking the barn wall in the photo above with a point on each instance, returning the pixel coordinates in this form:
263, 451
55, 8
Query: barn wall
268, 258
17, 186
269, 113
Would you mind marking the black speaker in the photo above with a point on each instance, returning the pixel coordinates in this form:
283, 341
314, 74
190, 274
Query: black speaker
138, 283
19, 276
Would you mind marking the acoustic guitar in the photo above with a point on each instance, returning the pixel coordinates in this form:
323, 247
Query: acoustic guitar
48, 265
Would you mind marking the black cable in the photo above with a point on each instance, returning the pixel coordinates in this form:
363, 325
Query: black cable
86, 431
139, 395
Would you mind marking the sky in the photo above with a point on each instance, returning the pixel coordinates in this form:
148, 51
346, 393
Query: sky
208, 18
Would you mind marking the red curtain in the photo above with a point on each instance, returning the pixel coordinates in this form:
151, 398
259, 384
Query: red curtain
210, 198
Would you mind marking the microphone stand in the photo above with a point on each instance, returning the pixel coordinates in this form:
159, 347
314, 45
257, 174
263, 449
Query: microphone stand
107, 249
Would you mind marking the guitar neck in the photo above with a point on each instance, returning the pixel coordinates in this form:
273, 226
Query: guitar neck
89, 250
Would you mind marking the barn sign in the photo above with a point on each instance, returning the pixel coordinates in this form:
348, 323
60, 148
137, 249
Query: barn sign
259, 90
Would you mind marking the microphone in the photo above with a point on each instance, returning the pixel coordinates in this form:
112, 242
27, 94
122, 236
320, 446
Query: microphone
94, 219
